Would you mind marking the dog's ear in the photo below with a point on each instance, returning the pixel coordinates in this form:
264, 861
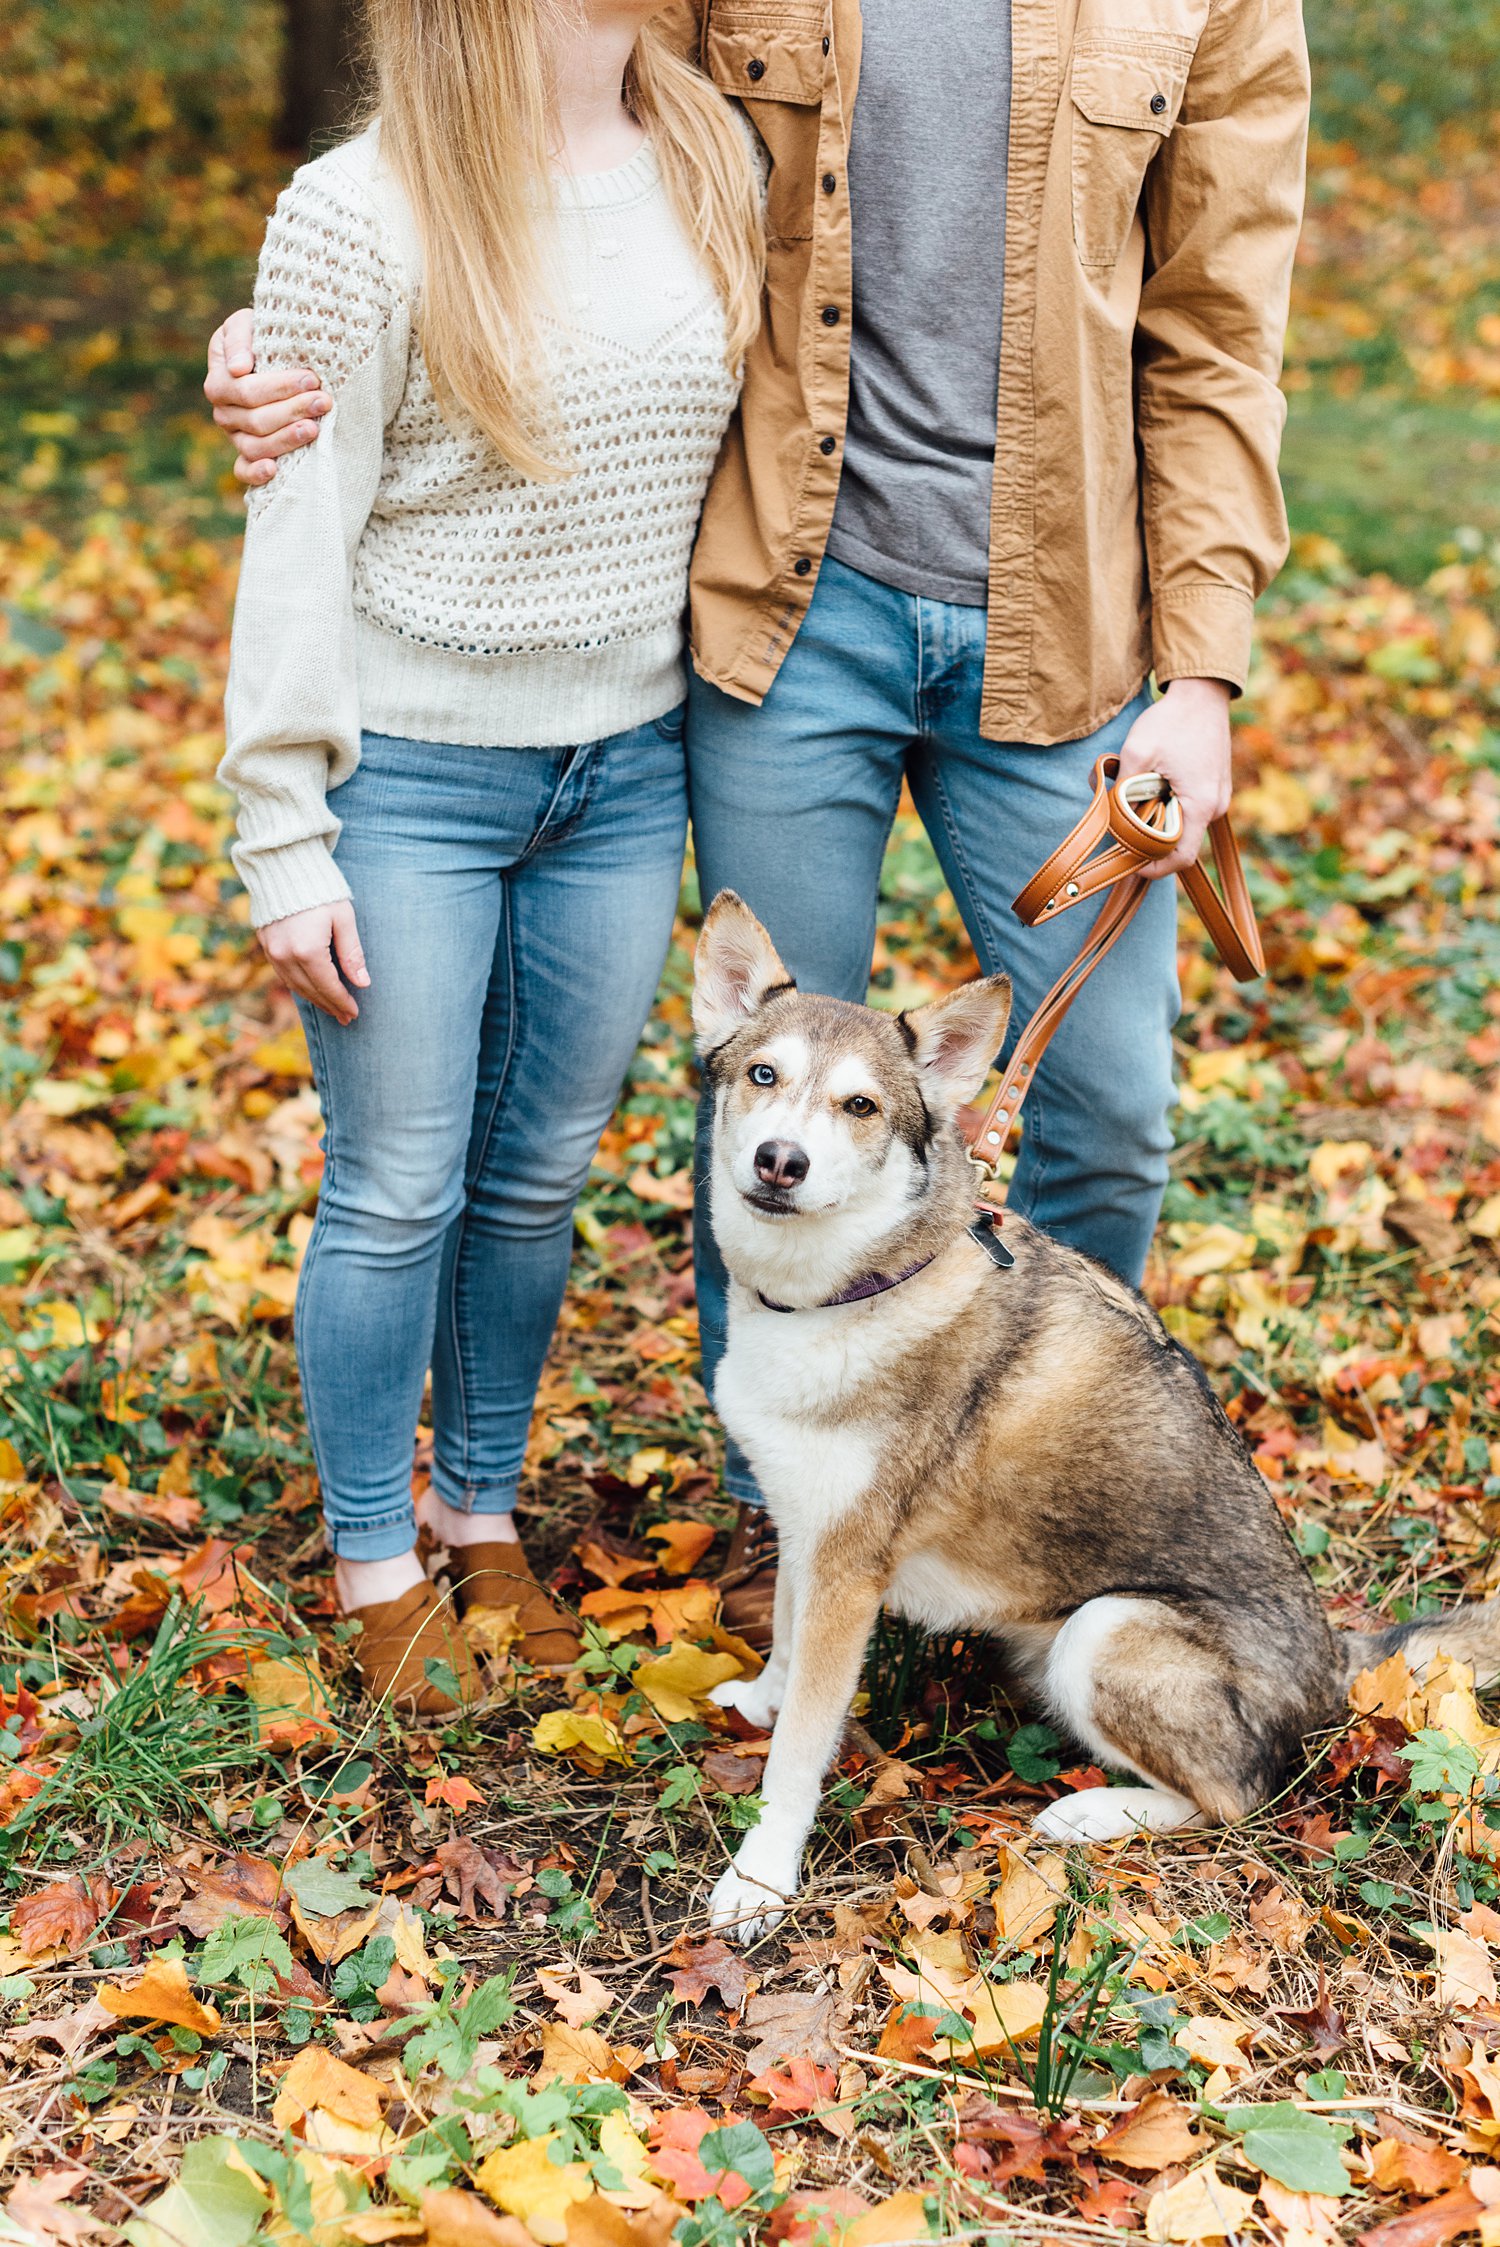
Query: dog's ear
956, 1039
735, 969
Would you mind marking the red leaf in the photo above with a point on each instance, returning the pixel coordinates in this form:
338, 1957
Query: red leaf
59, 1918
1451, 2212
805, 2218
796, 2087
675, 2139
453, 1792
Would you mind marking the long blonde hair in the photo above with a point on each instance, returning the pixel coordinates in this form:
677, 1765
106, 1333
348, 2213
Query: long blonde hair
466, 123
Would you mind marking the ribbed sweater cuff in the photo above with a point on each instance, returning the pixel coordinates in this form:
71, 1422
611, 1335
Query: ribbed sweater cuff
290, 879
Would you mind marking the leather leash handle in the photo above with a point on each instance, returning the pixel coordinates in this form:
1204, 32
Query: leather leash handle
1078, 869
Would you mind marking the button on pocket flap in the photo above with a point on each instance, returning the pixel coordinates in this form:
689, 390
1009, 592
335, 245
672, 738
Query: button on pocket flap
1141, 89
766, 54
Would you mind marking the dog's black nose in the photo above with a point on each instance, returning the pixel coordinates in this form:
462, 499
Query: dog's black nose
779, 1162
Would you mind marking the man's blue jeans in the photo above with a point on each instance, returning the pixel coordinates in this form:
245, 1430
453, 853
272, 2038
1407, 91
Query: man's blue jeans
792, 805
515, 907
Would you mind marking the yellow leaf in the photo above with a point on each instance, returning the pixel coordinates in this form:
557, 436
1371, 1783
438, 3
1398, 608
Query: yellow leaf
11, 1468
578, 2055
1203, 2206
285, 1056
1465, 1975
161, 1994
902, 2217
1200, 1249
1025, 1903
1277, 804
1215, 2043
1484, 1223
281, 1690
525, 2182
316, 2079
1334, 1159
61, 1326
618, 2143
1385, 1691
563, 1729
678, 1683
1160, 2133
683, 1544
454, 2218
1005, 2013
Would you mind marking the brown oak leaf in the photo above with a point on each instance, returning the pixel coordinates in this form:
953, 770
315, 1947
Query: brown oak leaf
696, 1968
470, 1871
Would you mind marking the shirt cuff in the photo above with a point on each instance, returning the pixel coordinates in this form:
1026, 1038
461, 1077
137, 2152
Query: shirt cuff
1202, 632
290, 879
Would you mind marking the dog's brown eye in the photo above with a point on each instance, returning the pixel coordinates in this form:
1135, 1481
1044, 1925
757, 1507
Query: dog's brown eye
762, 1073
860, 1105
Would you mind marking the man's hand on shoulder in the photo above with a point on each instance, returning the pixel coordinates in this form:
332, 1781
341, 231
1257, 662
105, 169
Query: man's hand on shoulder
1185, 737
265, 414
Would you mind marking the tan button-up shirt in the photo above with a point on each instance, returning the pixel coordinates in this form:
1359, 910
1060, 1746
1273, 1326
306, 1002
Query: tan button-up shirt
1154, 198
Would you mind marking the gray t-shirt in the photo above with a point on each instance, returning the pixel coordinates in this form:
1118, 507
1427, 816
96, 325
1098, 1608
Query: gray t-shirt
927, 197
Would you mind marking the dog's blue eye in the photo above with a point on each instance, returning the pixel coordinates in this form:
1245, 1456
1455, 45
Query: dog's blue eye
762, 1073
859, 1105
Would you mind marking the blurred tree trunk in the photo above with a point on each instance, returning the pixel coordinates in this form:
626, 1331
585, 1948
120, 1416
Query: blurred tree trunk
319, 80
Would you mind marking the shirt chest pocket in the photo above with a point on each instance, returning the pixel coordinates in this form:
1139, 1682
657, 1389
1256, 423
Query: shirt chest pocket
770, 55
1127, 90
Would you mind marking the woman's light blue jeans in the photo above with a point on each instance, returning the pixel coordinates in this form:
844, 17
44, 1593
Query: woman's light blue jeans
792, 806
515, 907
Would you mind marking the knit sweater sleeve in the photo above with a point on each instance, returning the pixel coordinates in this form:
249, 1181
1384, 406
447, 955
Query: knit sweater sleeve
329, 295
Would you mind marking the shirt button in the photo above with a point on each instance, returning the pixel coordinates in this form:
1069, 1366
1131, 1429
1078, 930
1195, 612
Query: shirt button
830, 315
827, 43
755, 68
1158, 104
829, 445
802, 565
830, 182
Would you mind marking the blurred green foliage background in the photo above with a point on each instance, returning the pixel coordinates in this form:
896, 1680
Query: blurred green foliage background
139, 136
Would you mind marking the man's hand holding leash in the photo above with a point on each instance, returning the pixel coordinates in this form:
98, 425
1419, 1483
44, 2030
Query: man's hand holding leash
1185, 737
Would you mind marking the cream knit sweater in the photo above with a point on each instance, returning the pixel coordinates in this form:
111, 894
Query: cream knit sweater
397, 576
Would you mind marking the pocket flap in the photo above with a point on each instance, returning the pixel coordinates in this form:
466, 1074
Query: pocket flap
762, 54
1144, 90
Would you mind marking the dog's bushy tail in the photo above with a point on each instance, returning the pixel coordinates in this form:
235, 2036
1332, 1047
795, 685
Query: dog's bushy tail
1470, 1634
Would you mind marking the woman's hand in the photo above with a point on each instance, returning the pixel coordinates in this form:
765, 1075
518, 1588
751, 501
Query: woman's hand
309, 950
1185, 737
266, 414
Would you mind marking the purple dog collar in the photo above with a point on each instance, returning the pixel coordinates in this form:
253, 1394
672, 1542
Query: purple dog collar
873, 1283
983, 1230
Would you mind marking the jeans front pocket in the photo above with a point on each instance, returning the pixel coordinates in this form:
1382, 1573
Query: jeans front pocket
1127, 90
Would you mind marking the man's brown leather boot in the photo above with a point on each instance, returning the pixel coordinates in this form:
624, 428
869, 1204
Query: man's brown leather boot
748, 1581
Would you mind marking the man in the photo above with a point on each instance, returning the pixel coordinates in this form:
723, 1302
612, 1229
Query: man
1007, 445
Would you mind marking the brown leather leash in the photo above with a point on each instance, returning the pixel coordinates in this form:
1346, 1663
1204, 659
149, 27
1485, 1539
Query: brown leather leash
1137, 821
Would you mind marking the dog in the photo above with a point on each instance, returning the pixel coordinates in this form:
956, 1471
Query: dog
981, 1430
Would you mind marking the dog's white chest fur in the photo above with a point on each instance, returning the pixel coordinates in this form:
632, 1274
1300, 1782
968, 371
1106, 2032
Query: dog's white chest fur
779, 1377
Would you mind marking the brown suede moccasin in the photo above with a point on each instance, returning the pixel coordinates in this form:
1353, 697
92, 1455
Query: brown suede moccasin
397, 1639
498, 1574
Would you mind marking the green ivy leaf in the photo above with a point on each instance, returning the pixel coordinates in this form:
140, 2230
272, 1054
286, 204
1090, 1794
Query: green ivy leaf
246, 1950
745, 2150
1033, 1754
1300, 2150
323, 1890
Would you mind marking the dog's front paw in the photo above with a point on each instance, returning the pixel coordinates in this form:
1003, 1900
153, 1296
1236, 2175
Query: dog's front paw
754, 1697
744, 1908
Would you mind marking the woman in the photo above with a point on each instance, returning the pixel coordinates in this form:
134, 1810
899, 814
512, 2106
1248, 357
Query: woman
454, 722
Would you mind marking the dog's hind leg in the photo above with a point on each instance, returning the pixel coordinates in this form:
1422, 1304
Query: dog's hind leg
1151, 1687
835, 1614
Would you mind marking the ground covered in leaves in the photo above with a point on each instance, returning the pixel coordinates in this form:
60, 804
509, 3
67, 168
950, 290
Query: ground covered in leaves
276, 1969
